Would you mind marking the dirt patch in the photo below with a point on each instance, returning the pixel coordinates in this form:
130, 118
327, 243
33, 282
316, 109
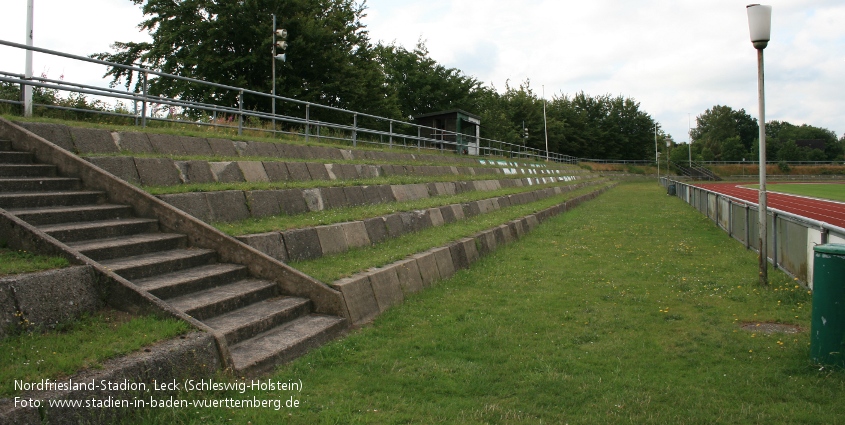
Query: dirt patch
771, 328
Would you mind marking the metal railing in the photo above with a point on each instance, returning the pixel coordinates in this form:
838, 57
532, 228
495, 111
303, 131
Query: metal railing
790, 237
352, 127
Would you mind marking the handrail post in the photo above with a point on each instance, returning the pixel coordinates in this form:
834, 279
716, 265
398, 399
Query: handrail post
307, 121
391, 135
240, 113
419, 136
355, 130
144, 105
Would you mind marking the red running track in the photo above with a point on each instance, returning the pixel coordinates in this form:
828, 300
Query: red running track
817, 209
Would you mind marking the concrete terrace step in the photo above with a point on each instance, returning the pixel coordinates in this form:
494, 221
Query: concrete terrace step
67, 214
48, 199
260, 317
147, 265
181, 282
12, 157
262, 352
226, 296
26, 184
27, 170
125, 246
73, 232
222, 299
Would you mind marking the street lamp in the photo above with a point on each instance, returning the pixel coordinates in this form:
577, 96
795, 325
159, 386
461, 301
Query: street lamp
27, 89
281, 44
760, 27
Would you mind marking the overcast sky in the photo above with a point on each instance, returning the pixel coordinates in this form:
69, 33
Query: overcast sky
677, 58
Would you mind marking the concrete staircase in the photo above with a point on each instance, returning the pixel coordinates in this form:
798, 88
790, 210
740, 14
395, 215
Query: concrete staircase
261, 326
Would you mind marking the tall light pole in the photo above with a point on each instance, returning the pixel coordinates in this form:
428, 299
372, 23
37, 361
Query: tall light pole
689, 138
760, 27
545, 125
656, 154
282, 44
27, 89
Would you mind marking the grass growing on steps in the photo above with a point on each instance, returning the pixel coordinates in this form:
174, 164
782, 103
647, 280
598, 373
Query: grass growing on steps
81, 344
310, 184
417, 162
341, 215
19, 261
623, 310
334, 267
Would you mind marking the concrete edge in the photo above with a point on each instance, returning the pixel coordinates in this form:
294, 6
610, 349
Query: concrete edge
200, 234
190, 356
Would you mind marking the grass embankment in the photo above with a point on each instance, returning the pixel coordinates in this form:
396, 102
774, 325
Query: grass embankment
341, 215
624, 310
231, 132
311, 184
832, 191
19, 261
334, 267
619, 168
77, 345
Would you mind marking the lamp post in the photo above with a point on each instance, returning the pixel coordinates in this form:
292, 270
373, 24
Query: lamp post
27, 89
282, 44
656, 154
545, 124
760, 27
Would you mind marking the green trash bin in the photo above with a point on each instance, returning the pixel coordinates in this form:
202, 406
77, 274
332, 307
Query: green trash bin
827, 338
671, 190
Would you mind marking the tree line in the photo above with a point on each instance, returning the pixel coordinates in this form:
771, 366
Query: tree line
331, 61
725, 134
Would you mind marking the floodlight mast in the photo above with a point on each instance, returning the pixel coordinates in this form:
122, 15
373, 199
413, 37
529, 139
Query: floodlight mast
281, 44
760, 27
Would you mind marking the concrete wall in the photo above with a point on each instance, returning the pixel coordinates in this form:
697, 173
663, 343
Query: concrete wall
87, 140
315, 242
42, 300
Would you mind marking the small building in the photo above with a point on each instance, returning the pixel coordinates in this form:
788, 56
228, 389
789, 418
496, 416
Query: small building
453, 129
810, 144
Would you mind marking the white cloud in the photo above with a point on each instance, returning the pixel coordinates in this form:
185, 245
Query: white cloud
676, 58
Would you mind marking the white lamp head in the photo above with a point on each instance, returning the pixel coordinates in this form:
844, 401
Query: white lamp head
759, 24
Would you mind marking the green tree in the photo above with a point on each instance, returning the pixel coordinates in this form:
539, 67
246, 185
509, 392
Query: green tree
733, 150
720, 123
329, 59
421, 85
789, 151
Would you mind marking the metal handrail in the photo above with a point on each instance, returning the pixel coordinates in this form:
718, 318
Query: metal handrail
493, 147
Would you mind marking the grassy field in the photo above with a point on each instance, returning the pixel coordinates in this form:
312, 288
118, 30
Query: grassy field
333, 267
628, 309
18, 261
77, 345
832, 191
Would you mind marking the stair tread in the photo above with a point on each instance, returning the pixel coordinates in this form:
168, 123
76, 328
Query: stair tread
26, 179
50, 193
187, 275
153, 258
268, 344
122, 241
68, 209
217, 294
252, 313
94, 224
